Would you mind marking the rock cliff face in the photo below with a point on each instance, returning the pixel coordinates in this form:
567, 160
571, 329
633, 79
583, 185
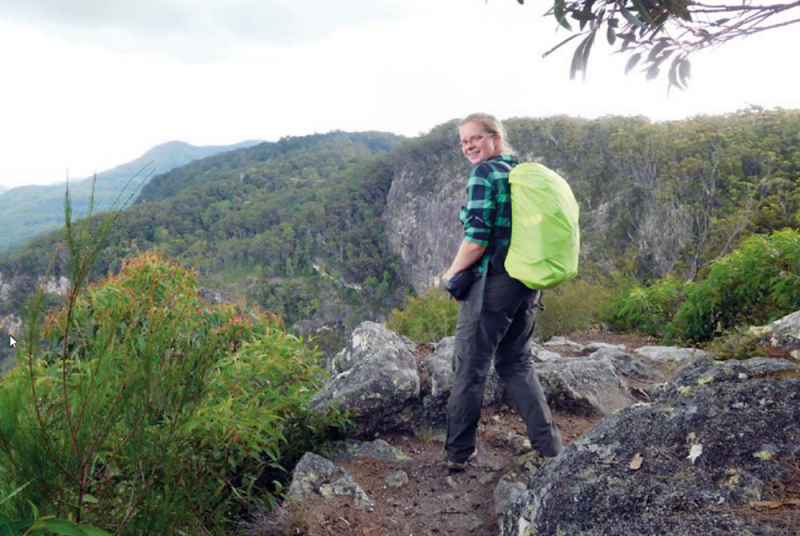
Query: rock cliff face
421, 209
429, 187
624, 182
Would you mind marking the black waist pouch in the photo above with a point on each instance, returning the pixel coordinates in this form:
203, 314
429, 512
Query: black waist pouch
458, 286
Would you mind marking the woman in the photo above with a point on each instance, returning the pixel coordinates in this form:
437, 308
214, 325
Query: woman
497, 318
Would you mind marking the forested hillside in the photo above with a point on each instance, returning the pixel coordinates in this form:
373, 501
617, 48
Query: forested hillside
330, 229
29, 211
661, 198
292, 226
655, 198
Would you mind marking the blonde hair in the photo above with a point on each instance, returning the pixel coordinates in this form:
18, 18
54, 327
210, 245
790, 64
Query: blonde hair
492, 126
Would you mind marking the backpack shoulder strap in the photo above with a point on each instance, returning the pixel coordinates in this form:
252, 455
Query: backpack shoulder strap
504, 165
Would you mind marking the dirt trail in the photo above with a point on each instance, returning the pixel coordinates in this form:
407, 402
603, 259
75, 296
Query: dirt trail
433, 503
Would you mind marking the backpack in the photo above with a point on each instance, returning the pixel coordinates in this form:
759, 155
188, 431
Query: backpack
545, 235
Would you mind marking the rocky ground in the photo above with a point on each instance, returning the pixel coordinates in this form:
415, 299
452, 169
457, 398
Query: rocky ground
417, 496
661, 440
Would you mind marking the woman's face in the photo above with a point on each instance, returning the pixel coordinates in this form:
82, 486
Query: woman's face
477, 144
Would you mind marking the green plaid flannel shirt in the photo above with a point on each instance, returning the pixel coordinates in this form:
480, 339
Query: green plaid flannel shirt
487, 214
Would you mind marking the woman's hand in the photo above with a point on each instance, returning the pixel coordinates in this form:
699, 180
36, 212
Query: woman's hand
468, 254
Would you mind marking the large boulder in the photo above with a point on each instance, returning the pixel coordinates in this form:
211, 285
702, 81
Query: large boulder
669, 354
440, 368
627, 365
371, 342
315, 476
718, 438
595, 346
376, 381
563, 342
786, 334
541, 354
583, 386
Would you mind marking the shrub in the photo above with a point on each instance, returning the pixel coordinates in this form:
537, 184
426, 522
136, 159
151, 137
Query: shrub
755, 284
570, 307
144, 410
426, 319
253, 424
741, 343
647, 309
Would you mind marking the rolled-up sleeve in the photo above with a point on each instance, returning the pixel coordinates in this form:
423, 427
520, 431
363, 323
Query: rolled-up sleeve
476, 215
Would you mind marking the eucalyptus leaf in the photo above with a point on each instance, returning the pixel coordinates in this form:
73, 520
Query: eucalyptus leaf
628, 38
645, 15
94, 531
632, 61
582, 16
13, 493
661, 19
685, 71
34, 510
683, 13
577, 57
559, 11
656, 50
665, 55
630, 17
611, 36
673, 73
586, 50
60, 526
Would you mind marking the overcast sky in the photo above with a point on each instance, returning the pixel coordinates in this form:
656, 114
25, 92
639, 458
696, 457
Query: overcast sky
90, 84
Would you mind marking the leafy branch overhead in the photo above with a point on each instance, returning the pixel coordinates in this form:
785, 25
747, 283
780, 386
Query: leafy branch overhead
655, 31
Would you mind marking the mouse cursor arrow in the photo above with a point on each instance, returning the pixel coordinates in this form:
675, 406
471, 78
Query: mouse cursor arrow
12, 342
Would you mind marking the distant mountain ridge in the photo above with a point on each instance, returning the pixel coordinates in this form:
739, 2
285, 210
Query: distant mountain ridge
29, 211
240, 166
293, 226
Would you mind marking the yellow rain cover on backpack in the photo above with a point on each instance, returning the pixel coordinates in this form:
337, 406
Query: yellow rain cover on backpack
545, 237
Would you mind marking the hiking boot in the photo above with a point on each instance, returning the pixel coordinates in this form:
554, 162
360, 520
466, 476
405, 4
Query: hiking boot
460, 467
455, 467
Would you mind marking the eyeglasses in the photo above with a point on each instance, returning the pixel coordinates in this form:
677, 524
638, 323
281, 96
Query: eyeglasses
475, 139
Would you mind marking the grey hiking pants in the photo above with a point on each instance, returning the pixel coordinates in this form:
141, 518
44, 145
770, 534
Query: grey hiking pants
501, 329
